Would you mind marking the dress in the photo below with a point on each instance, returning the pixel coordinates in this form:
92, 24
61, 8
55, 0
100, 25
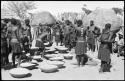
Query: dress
104, 51
81, 49
81, 45
104, 48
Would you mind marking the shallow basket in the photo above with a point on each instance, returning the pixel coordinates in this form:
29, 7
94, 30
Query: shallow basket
37, 57
57, 63
48, 68
16, 72
50, 55
29, 66
56, 59
68, 57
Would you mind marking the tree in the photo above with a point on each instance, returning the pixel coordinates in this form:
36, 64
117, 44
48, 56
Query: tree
118, 10
87, 11
20, 7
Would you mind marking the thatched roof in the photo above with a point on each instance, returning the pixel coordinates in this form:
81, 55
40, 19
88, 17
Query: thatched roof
43, 18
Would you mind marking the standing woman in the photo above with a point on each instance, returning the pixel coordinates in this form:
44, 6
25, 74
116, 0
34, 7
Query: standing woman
104, 49
81, 46
57, 36
15, 41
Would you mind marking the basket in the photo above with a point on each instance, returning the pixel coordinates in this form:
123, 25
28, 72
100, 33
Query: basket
57, 63
29, 66
48, 68
56, 59
37, 57
19, 72
68, 57
50, 55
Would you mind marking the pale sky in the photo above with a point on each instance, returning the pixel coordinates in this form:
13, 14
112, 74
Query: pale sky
56, 7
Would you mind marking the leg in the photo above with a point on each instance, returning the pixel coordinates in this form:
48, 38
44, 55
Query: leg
13, 58
78, 59
90, 47
102, 67
93, 47
84, 59
6, 58
19, 58
56, 43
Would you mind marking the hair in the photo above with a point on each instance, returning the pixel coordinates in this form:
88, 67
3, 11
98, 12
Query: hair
92, 21
68, 22
107, 26
27, 21
88, 27
79, 23
14, 22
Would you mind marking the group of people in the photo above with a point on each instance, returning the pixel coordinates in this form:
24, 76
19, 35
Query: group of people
16, 38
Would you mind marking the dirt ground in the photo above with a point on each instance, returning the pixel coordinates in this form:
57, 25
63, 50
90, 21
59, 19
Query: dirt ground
70, 71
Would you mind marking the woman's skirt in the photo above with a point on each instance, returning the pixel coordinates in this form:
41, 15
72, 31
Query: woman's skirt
81, 48
104, 54
4, 47
57, 38
16, 48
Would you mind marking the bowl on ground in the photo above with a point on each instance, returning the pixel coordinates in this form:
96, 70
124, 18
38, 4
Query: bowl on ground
19, 72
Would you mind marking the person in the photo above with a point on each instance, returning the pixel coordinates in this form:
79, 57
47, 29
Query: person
90, 37
104, 49
4, 46
61, 36
57, 36
120, 44
15, 40
28, 31
40, 44
81, 48
25, 43
97, 34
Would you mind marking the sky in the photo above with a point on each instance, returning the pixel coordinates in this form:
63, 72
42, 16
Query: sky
56, 7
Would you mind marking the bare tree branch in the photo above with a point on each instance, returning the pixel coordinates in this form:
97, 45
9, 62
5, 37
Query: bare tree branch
20, 7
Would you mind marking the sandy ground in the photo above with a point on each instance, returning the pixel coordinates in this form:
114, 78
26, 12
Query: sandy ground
72, 72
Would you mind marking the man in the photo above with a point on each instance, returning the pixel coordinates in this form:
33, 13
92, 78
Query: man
91, 37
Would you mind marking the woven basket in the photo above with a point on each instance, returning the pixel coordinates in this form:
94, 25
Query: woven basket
56, 59
19, 72
29, 66
48, 68
57, 63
